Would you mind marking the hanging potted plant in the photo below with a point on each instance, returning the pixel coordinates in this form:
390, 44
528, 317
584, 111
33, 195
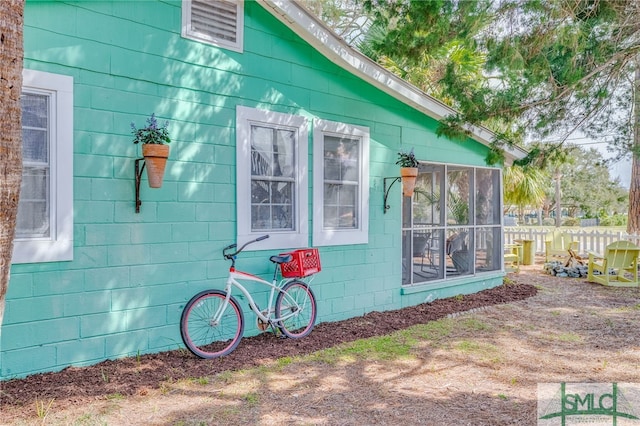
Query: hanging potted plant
408, 171
153, 138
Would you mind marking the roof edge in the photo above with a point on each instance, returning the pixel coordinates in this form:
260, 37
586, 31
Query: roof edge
334, 48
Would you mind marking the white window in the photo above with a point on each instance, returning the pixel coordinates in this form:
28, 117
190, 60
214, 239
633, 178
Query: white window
44, 230
218, 22
340, 183
272, 181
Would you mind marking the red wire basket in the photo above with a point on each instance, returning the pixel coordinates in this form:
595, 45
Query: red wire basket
305, 262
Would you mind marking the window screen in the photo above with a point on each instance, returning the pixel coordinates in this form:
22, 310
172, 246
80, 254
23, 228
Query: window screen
341, 182
33, 210
272, 178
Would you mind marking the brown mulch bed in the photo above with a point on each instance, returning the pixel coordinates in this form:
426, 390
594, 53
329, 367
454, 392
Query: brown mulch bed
136, 375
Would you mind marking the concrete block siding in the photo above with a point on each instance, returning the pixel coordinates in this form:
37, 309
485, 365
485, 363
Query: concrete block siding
131, 275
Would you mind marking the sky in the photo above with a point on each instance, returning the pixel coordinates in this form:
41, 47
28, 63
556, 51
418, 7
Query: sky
621, 169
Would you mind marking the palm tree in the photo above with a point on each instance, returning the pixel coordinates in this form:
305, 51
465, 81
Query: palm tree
429, 70
11, 52
524, 186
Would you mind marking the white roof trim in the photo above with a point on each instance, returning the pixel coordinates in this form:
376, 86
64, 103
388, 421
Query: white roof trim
339, 52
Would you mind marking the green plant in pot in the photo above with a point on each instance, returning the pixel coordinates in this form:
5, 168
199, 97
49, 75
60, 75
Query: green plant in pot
408, 171
154, 139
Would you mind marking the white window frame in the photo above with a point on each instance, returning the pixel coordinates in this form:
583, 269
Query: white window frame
321, 235
299, 236
189, 32
59, 245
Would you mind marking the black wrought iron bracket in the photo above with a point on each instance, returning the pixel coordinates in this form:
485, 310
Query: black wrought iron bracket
386, 191
138, 173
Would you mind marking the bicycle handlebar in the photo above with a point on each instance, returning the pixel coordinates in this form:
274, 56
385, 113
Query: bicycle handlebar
232, 246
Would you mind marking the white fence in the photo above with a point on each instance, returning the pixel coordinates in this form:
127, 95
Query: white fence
590, 240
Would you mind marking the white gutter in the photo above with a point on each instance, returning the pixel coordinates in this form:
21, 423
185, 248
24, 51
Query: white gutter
323, 39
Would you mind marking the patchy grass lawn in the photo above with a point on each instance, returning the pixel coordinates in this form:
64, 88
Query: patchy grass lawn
481, 368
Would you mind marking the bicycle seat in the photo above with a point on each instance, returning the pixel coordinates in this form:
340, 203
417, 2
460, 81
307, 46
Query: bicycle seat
281, 259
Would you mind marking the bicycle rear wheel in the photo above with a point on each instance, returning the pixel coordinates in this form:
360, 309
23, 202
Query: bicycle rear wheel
296, 303
206, 337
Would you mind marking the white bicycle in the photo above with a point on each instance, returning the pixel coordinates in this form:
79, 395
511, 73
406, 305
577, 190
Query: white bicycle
212, 322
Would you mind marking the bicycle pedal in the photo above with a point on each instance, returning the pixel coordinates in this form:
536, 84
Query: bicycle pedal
262, 326
276, 330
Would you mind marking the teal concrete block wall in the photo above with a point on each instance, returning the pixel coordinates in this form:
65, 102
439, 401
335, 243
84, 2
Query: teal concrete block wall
132, 274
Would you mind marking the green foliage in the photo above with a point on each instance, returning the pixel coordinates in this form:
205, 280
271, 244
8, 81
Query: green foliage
458, 208
527, 70
524, 186
587, 187
152, 133
346, 17
115, 397
521, 68
571, 221
614, 220
407, 159
252, 398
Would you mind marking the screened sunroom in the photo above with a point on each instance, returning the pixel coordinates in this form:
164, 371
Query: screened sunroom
451, 225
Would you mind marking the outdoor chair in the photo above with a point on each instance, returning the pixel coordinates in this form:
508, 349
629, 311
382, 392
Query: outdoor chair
421, 247
512, 257
458, 252
617, 267
558, 244
433, 250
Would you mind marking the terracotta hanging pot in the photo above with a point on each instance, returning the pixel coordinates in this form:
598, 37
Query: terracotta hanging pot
155, 157
409, 175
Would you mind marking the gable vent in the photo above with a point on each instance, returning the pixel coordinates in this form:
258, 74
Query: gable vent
218, 22
217, 19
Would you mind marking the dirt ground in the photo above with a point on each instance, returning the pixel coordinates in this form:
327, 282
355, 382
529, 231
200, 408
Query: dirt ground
478, 364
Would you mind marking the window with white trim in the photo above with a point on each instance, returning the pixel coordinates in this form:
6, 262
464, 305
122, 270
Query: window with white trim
217, 22
340, 183
272, 183
44, 228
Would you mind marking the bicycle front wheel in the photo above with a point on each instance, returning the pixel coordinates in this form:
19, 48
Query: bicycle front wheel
202, 333
296, 309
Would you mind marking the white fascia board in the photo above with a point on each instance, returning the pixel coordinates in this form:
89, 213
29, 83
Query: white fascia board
339, 52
